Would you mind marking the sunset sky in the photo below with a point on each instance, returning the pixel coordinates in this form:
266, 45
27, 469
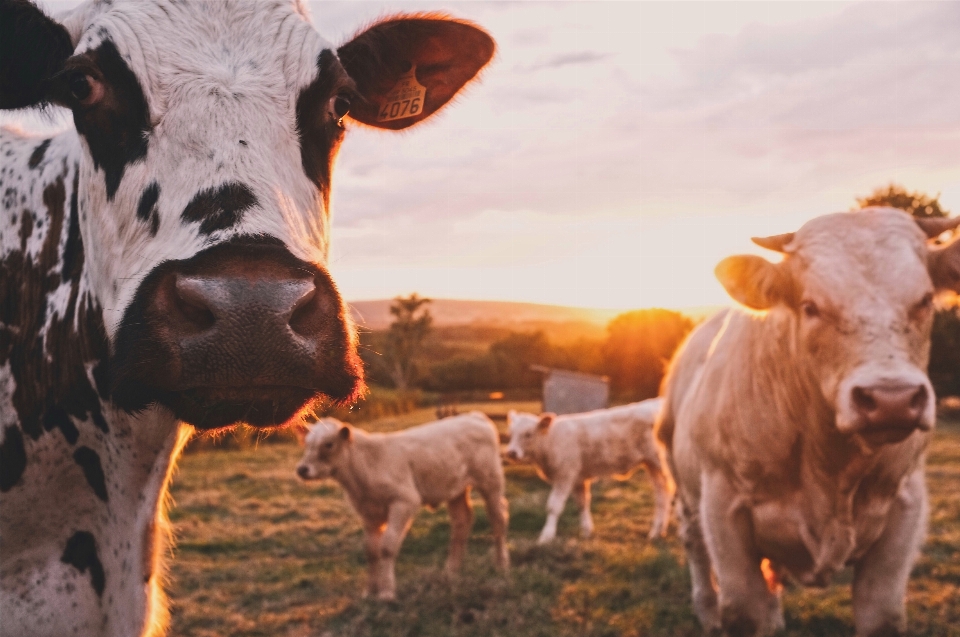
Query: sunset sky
614, 152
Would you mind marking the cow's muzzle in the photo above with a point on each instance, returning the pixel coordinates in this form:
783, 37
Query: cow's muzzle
889, 412
242, 332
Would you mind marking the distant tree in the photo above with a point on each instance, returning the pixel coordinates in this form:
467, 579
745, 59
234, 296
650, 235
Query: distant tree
404, 340
638, 347
916, 203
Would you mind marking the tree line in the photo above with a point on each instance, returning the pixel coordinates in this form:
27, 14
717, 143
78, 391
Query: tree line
633, 353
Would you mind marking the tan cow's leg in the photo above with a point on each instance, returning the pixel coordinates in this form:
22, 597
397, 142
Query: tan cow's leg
555, 503
461, 519
701, 573
747, 607
371, 544
399, 518
880, 577
499, 516
662, 497
581, 493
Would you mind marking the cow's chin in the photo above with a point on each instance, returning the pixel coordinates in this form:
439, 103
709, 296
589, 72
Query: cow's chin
215, 407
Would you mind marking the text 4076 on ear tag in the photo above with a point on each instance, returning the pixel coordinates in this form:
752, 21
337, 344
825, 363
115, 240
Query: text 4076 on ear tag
405, 99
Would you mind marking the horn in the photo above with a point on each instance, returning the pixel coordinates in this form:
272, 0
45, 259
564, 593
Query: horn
777, 242
936, 226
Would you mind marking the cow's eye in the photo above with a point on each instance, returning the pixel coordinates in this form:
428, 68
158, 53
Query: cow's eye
810, 309
84, 88
328, 445
339, 107
924, 305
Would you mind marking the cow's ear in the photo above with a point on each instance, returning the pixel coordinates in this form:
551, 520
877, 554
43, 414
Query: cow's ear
546, 420
32, 49
300, 431
345, 433
944, 266
753, 281
406, 68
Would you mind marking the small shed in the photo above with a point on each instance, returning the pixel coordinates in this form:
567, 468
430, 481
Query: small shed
566, 392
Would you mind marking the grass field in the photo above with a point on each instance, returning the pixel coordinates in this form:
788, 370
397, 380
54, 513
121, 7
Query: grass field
261, 553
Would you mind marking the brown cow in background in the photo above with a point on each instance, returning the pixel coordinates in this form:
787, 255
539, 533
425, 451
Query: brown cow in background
797, 432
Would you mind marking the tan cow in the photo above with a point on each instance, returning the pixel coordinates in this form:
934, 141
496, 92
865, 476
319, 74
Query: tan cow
572, 450
389, 477
796, 432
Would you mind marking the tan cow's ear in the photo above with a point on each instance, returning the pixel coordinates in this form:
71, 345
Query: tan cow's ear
752, 281
345, 433
406, 68
944, 266
546, 420
300, 431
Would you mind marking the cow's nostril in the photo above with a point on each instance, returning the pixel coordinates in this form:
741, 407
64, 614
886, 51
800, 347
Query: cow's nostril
302, 471
863, 400
193, 303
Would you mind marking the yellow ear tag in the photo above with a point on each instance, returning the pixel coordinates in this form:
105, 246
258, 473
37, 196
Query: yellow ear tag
405, 99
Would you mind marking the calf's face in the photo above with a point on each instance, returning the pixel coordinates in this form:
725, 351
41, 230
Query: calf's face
209, 131
526, 432
324, 445
858, 290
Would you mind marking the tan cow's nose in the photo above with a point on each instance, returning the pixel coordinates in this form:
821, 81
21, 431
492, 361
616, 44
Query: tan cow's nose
891, 406
302, 471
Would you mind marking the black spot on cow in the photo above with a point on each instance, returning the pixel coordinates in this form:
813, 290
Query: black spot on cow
320, 135
81, 553
56, 418
89, 462
48, 355
117, 128
73, 250
219, 208
147, 208
37, 155
13, 458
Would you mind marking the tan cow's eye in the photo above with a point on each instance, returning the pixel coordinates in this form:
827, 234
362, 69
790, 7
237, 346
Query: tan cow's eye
328, 445
925, 304
810, 309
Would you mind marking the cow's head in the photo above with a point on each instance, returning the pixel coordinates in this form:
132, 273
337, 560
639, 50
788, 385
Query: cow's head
858, 290
209, 130
527, 433
323, 446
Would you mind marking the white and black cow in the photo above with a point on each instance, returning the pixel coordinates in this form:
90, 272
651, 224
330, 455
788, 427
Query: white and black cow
164, 263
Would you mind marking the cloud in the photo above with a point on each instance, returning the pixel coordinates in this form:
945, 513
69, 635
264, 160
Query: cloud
567, 59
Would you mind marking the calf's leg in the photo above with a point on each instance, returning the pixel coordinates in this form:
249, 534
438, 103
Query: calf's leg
461, 519
747, 606
498, 513
555, 503
581, 493
662, 497
880, 577
399, 518
372, 532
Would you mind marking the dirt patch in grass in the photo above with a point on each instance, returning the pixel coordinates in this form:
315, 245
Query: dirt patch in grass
260, 553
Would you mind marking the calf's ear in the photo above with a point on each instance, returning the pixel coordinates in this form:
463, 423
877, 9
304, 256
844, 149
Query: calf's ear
32, 49
546, 420
943, 264
345, 433
406, 68
753, 281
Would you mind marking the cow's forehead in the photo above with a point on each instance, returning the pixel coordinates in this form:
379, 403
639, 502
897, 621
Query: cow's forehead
168, 43
880, 251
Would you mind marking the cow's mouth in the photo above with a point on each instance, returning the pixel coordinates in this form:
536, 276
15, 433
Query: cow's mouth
259, 406
879, 436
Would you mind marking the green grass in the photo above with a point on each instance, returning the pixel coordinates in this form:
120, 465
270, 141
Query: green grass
260, 553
